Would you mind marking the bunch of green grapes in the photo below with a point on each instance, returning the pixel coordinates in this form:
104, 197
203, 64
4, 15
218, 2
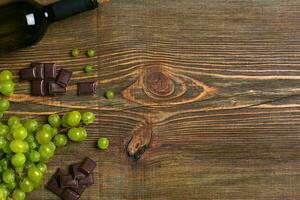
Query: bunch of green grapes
26, 147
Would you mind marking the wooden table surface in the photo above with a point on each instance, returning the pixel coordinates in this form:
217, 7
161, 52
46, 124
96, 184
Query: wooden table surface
217, 82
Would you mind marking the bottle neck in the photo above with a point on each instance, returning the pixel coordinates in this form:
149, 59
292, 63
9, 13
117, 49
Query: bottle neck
66, 8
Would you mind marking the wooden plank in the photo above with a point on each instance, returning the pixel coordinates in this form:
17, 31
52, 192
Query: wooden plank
223, 101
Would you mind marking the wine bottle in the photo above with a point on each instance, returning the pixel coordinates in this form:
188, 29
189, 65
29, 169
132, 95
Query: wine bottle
23, 23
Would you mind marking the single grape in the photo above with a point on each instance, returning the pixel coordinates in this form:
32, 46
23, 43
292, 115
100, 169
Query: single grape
20, 133
31, 125
54, 132
29, 138
18, 160
11, 185
83, 133
13, 120
109, 94
52, 146
88, 118
103, 143
34, 174
90, 53
88, 68
46, 152
32, 145
76, 134
7, 87
43, 136
73, 118
26, 185
54, 120
60, 140
64, 121
17, 146
18, 195
26, 148
42, 167
34, 156
4, 105
2, 142
3, 193
4, 163
19, 170
4, 130
28, 164
6, 148
5, 75
8, 176
75, 52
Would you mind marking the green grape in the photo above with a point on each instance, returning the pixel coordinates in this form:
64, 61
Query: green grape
7, 87
18, 160
51, 146
54, 132
47, 127
34, 156
4, 163
109, 94
17, 146
19, 170
73, 118
13, 120
32, 145
28, 164
5, 75
46, 152
34, 174
2, 142
103, 143
11, 185
4, 105
42, 167
83, 133
76, 134
8, 176
43, 136
19, 133
60, 140
54, 120
18, 195
4, 130
88, 68
26, 185
26, 149
29, 138
6, 148
31, 125
3, 193
88, 118
75, 52
90, 53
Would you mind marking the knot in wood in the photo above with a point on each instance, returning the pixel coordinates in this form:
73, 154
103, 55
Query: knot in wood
159, 83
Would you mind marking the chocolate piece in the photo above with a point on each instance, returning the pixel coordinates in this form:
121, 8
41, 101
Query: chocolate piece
64, 77
88, 180
55, 89
54, 185
38, 70
68, 194
88, 88
87, 166
27, 74
49, 71
80, 189
38, 88
76, 173
68, 181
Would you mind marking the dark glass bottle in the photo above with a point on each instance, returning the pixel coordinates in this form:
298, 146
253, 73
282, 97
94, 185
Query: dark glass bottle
23, 23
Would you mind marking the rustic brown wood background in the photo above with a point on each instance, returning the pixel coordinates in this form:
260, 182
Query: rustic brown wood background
230, 128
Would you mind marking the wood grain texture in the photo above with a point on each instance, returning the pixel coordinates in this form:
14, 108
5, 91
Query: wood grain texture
223, 103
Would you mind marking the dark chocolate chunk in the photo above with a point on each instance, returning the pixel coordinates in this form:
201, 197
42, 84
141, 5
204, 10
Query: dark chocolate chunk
68, 181
54, 183
38, 70
53, 186
55, 89
38, 88
80, 189
88, 180
49, 71
69, 194
88, 88
64, 77
27, 74
76, 173
87, 166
